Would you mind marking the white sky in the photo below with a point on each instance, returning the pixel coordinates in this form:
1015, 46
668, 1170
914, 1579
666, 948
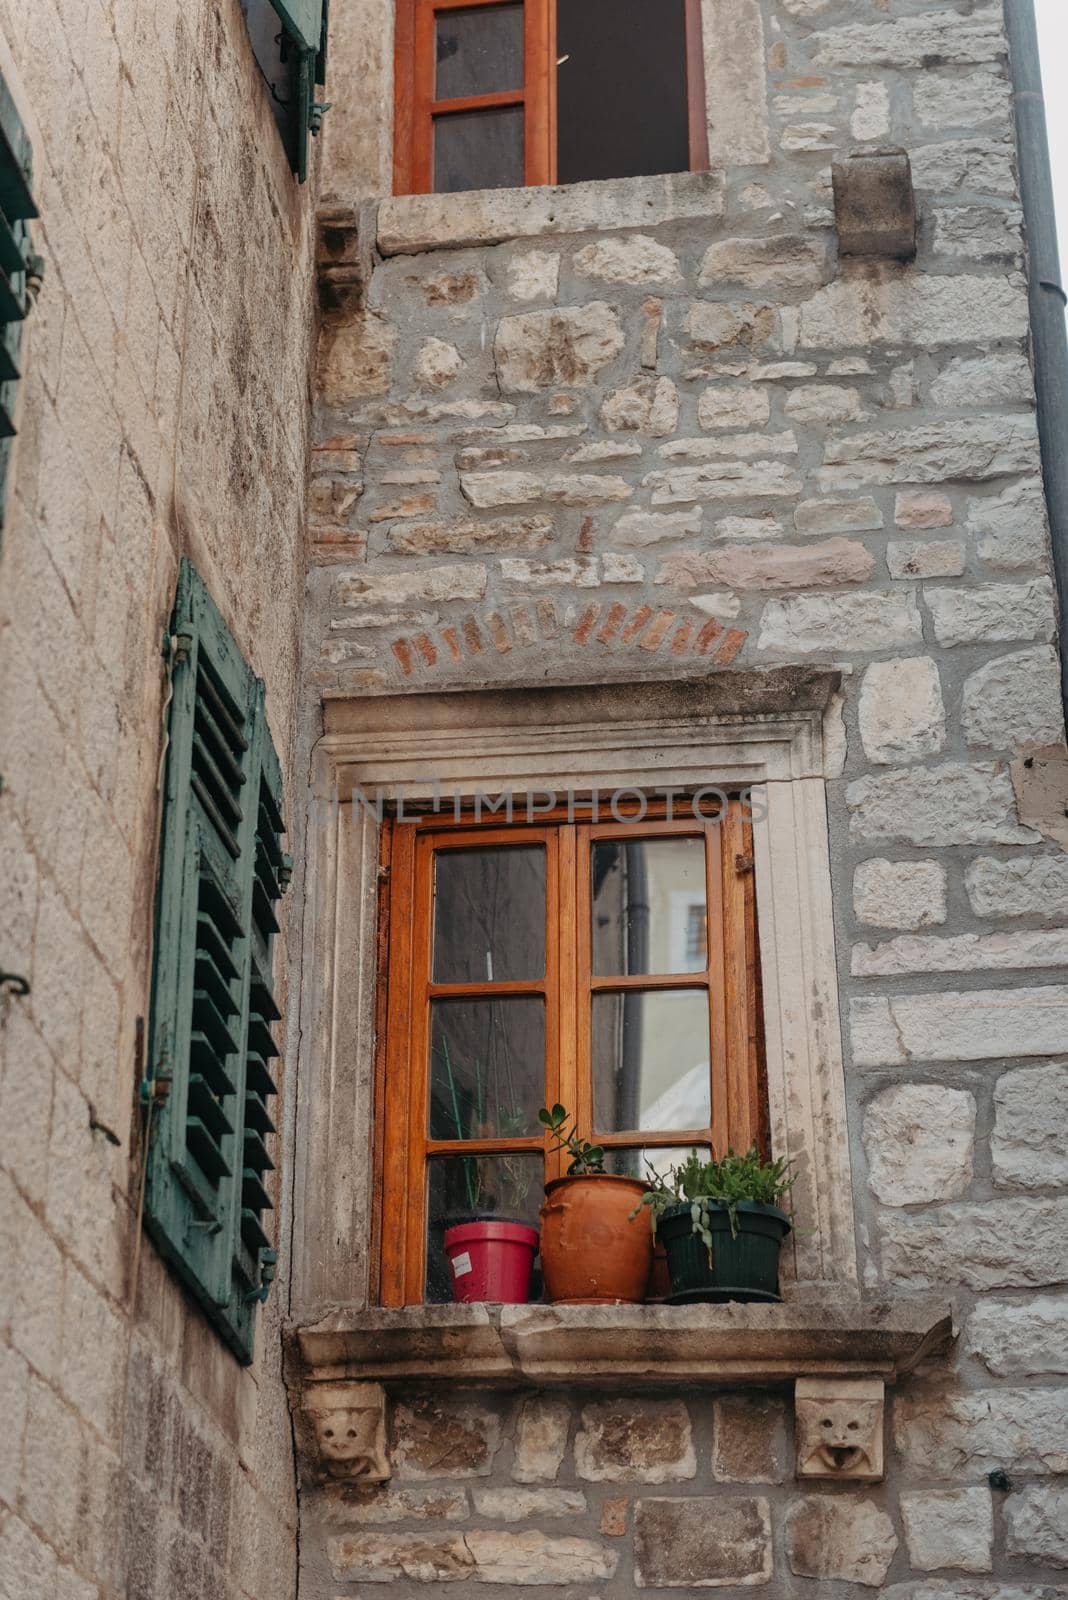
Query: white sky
1053, 40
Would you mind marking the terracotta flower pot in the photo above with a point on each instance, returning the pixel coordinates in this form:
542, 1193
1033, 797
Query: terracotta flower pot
592, 1251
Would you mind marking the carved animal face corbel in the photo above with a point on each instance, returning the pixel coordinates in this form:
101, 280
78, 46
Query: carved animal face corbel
840, 1428
344, 1428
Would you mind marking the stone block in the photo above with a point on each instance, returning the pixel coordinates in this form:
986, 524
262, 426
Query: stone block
970, 1025
824, 405
638, 529
840, 1428
488, 491
781, 263
1029, 1147
949, 1528
936, 558
444, 1439
972, 449
1036, 1523
565, 346
634, 259
982, 166
976, 381
966, 952
466, 538
411, 224
1024, 887
826, 624
388, 1557
1026, 1338
748, 1440
573, 572
723, 480
902, 717
436, 364
979, 233
711, 1543
904, 309
845, 1538
729, 406
923, 508
989, 1244
963, 100
777, 566
818, 518
387, 1505
717, 325
992, 612
919, 1139
964, 1435
516, 1505
614, 1518
617, 568
946, 805
534, 275
874, 205
1014, 701
900, 894
912, 42
541, 1439
651, 405
458, 582
644, 1441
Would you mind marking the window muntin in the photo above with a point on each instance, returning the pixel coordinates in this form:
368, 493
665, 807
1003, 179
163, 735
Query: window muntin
499, 93
653, 1061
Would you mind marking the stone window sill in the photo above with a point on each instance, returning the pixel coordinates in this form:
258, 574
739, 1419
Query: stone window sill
645, 1347
410, 224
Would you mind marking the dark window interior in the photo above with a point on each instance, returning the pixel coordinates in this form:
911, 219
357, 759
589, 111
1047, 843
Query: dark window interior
622, 94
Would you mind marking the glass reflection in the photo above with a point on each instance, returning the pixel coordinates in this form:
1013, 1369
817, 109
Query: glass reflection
487, 1068
650, 912
489, 915
650, 1051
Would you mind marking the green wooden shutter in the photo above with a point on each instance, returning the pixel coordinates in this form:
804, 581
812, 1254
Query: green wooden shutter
306, 22
210, 1027
17, 263
302, 20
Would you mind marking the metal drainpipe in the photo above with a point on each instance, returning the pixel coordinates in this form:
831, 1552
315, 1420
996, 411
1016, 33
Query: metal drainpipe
1047, 297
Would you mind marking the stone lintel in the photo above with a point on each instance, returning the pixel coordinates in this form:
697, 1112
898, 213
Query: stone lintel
631, 1347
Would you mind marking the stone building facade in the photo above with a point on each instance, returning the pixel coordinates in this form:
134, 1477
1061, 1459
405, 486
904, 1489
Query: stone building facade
652, 469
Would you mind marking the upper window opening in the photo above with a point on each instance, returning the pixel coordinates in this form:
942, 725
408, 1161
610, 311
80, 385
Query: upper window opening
610, 966
500, 93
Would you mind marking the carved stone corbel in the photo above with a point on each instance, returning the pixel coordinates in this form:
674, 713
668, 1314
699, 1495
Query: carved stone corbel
840, 1428
344, 1432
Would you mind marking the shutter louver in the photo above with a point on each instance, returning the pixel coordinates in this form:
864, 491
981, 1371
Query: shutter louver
210, 1037
17, 262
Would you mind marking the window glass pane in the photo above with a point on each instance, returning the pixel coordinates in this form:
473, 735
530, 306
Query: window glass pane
489, 915
636, 1163
468, 1188
649, 907
621, 88
479, 150
487, 1068
479, 51
651, 1061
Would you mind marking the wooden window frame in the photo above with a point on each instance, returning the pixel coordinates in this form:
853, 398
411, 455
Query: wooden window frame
415, 106
731, 979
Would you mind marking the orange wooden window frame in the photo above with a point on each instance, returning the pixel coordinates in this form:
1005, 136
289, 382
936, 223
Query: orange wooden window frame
731, 977
415, 106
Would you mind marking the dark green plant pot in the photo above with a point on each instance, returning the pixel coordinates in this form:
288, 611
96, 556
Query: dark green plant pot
744, 1266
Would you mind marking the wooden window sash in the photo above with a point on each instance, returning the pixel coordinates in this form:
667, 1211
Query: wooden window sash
731, 979
415, 105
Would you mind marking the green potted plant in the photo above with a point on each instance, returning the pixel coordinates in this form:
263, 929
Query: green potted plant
595, 1249
721, 1226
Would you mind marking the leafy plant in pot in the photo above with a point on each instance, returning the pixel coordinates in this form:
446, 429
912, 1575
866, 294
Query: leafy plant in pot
490, 1249
721, 1226
595, 1249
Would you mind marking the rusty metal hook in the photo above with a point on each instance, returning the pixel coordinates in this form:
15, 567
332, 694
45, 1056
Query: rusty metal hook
14, 983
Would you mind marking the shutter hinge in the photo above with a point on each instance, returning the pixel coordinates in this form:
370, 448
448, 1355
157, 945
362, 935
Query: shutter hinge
35, 271
268, 1264
155, 1090
285, 871
743, 864
318, 112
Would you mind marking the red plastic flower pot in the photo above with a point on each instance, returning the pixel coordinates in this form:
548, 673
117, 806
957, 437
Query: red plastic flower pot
491, 1261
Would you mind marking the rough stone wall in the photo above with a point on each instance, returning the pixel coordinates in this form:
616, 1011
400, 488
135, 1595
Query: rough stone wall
659, 426
163, 410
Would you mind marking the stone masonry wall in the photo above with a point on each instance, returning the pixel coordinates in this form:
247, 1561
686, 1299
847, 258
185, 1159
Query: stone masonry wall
163, 411
658, 426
